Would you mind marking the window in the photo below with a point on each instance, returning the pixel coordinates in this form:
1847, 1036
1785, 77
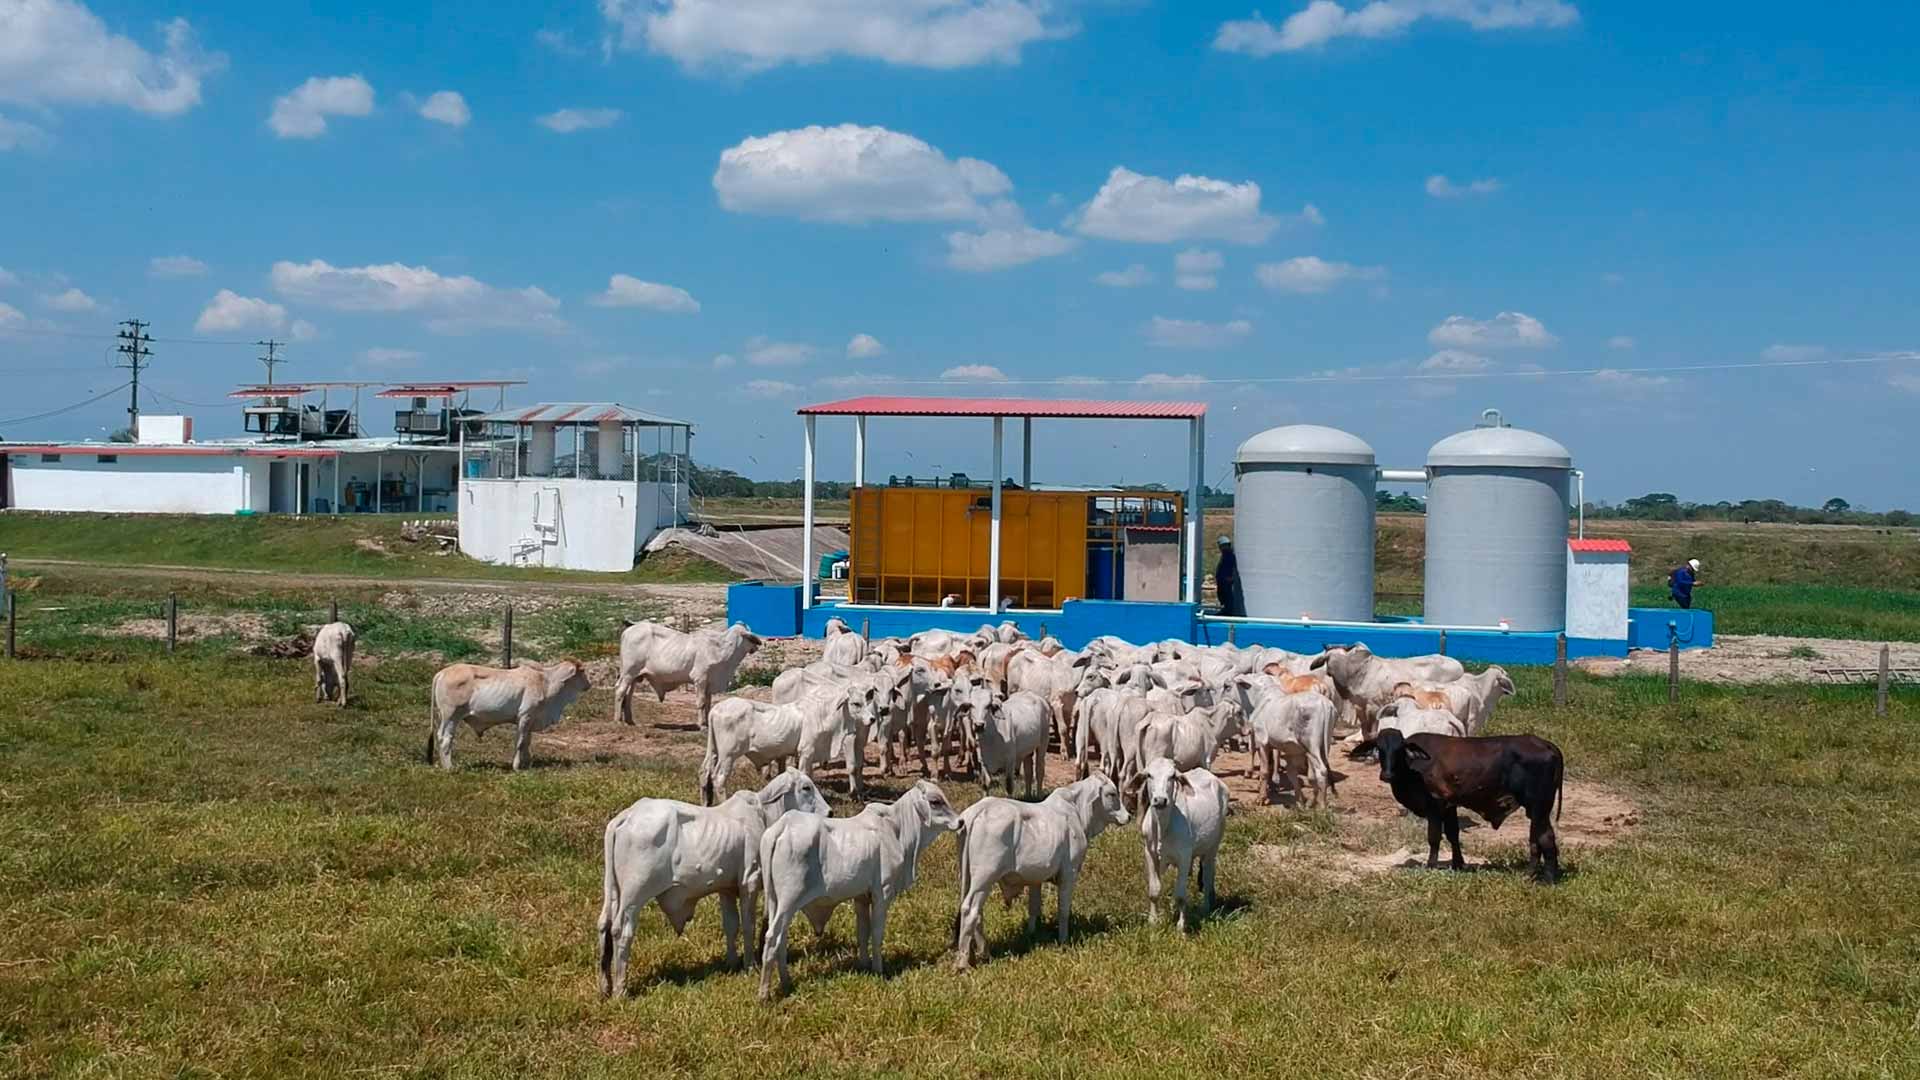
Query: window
109, 459
49, 459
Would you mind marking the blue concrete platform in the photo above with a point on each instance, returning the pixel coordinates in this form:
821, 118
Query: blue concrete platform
773, 610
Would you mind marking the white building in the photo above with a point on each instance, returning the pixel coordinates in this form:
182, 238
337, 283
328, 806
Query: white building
572, 485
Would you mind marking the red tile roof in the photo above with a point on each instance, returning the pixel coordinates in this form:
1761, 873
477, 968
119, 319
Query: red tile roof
887, 405
1595, 546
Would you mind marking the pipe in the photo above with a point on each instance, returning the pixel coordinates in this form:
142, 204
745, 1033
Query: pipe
1495, 629
1401, 476
1580, 485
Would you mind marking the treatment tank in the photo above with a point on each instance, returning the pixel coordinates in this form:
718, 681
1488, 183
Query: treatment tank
1497, 528
1303, 524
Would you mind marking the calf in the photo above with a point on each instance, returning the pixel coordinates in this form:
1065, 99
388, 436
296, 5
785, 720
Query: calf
1181, 824
666, 659
843, 646
1296, 729
1408, 718
1108, 720
1012, 734
660, 849
1366, 681
814, 864
1471, 698
531, 696
1192, 739
1018, 845
823, 724
1435, 775
332, 662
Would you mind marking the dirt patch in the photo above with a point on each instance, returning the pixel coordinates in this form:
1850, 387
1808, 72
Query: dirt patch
247, 625
1746, 660
297, 647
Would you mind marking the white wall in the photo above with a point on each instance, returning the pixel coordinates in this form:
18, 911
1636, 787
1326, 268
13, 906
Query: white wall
141, 483
1597, 595
597, 522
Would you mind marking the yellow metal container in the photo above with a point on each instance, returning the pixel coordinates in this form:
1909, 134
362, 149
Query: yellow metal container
914, 545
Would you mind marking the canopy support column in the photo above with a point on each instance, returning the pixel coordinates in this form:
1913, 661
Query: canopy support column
1026, 452
806, 520
993, 531
1196, 506
859, 451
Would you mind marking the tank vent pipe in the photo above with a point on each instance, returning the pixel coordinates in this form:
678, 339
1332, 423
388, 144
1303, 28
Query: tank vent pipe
1401, 476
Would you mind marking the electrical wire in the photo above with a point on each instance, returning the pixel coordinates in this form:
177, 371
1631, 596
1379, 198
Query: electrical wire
68, 408
157, 392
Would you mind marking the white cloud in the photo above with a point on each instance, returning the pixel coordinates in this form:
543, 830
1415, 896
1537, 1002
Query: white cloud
723, 361
625, 291
1908, 381
768, 388
382, 357
1440, 187
175, 266
1161, 380
446, 107
1614, 278
865, 347
1132, 277
1791, 354
1194, 269
1312, 274
1622, 342
568, 121
7, 278
302, 330
1324, 20
18, 135
1311, 215
855, 380
1629, 383
1001, 249
10, 317
1507, 330
1153, 210
758, 34
1167, 333
762, 352
72, 300
850, 174
559, 42
974, 373
302, 112
1454, 360
57, 52
228, 311
1081, 380
453, 305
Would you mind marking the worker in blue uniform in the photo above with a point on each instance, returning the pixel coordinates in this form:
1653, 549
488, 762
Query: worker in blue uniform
1226, 581
1680, 583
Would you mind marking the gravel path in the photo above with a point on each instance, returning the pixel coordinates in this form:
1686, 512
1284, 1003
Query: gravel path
1761, 659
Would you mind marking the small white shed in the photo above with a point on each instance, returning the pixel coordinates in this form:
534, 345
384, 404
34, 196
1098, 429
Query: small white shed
1597, 589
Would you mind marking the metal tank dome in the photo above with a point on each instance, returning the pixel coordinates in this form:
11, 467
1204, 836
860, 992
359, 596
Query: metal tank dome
1497, 528
1303, 524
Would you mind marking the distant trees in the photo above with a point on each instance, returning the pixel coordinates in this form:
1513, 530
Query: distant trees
1836, 506
1663, 506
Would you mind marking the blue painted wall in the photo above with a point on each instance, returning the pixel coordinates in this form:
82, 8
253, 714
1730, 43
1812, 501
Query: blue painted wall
1648, 628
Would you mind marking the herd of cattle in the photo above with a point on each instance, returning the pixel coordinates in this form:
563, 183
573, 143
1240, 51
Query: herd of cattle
1154, 717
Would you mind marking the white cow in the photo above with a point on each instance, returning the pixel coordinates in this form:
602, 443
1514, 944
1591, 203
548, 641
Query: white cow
966, 700
843, 646
1471, 698
1108, 720
823, 724
1192, 739
1366, 681
666, 659
677, 853
333, 662
531, 696
1009, 735
1181, 823
1056, 679
1018, 845
1408, 718
814, 864
1295, 728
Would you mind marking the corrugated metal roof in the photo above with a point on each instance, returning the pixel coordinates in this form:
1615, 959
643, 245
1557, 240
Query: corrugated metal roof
889, 405
1598, 546
579, 412
444, 389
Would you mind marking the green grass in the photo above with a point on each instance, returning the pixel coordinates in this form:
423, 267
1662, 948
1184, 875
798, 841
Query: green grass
209, 876
1802, 610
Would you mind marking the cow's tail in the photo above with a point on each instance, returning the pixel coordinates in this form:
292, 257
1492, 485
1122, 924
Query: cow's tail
609, 909
1326, 753
965, 880
433, 720
1560, 792
710, 764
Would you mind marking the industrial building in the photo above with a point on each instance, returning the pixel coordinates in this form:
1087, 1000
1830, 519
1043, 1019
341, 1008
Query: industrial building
1507, 578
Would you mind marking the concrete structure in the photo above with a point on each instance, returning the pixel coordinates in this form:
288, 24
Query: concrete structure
573, 485
1597, 589
1303, 524
1497, 504
1151, 569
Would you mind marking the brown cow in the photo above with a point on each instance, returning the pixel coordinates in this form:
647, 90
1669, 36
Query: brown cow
1435, 775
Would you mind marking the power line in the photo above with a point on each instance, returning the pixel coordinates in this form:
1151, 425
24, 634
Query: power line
271, 359
182, 401
66, 408
133, 346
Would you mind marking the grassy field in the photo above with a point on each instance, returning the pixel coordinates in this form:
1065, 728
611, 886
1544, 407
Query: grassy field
210, 877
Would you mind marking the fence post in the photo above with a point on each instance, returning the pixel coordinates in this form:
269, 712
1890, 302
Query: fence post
333, 610
1230, 634
1560, 670
173, 620
1880, 695
506, 639
1673, 664
13, 603
1443, 643
866, 629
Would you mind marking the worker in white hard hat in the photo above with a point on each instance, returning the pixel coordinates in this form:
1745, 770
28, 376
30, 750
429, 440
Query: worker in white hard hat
1680, 583
1226, 581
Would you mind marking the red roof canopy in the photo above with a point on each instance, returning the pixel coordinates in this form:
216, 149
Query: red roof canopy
888, 405
445, 389
1602, 547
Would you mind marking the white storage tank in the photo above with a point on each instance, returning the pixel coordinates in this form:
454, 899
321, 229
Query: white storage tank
1497, 528
1303, 524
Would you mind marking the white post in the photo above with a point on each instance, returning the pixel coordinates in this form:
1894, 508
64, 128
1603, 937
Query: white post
379, 481
993, 529
420, 491
1196, 509
1026, 452
336, 483
859, 451
806, 520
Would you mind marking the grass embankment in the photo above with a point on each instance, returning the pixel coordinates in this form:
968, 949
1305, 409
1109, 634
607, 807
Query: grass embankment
213, 877
357, 545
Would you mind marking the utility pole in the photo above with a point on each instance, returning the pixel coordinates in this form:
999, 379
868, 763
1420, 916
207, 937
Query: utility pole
270, 359
133, 346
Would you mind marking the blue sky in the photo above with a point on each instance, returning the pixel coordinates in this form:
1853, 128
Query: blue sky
725, 210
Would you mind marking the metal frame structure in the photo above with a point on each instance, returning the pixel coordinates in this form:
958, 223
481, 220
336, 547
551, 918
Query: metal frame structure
999, 410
